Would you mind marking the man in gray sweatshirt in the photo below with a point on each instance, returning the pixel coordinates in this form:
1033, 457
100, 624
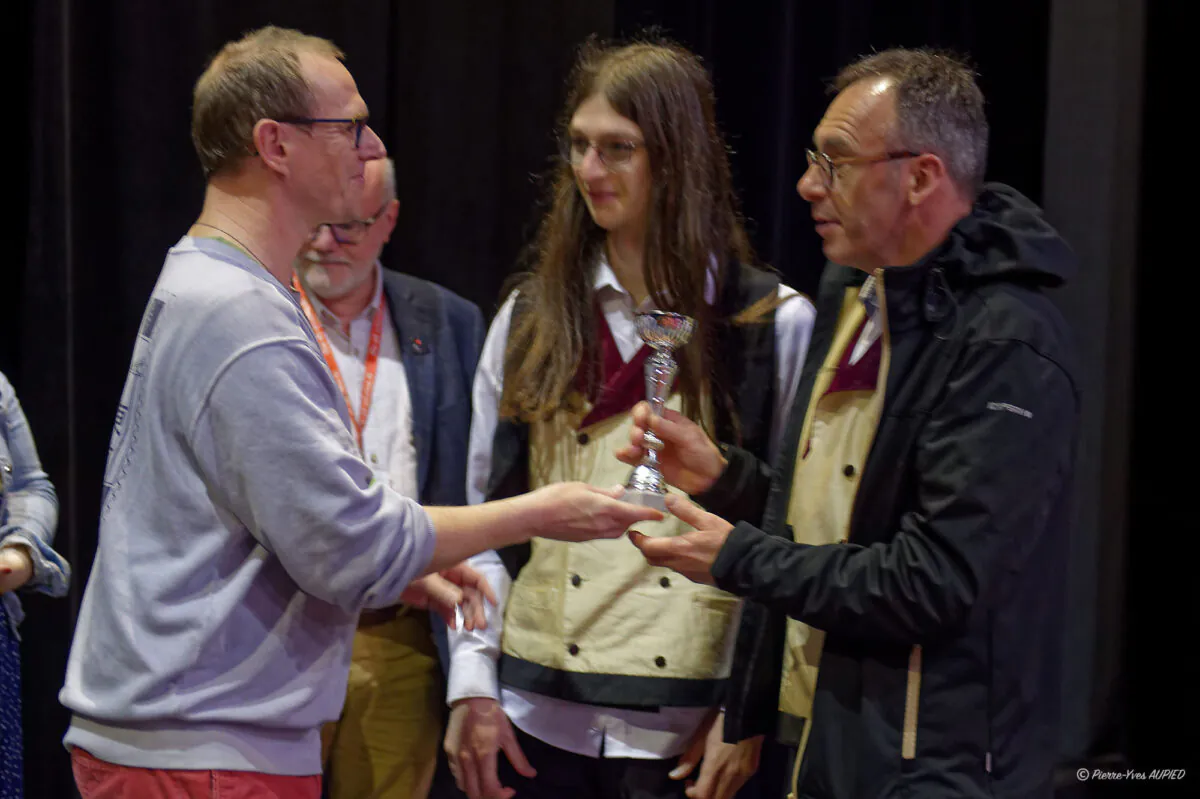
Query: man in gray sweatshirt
240, 532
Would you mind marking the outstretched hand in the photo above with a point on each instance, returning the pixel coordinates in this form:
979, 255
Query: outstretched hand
691, 554
581, 512
689, 460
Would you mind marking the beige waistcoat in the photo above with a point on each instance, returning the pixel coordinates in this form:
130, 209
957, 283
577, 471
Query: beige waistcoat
598, 607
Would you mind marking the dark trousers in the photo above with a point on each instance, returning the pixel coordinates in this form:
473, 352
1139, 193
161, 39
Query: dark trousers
562, 774
10, 711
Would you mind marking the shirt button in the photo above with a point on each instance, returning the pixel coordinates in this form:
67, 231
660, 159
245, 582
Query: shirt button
582, 438
848, 470
576, 580
573, 649
665, 582
660, 661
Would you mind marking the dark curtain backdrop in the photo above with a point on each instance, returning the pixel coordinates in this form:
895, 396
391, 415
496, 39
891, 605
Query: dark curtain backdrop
464, 95
1158, 684
771, 63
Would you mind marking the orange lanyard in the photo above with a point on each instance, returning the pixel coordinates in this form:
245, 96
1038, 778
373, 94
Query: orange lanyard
368, 384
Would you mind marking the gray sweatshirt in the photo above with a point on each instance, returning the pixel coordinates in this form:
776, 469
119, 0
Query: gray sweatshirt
240, 535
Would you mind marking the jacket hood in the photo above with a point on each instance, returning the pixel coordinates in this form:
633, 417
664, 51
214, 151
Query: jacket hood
1006, 237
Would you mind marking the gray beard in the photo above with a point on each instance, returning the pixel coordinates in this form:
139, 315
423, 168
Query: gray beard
316, 279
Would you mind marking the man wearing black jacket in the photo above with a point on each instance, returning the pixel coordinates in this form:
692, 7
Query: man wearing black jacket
904, 558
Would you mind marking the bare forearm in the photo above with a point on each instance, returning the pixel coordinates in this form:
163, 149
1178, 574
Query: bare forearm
466, 531
564, 511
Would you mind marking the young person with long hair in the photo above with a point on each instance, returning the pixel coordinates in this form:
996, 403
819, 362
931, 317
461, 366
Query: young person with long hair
609, 669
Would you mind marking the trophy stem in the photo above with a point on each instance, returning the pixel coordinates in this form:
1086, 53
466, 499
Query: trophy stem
664, 332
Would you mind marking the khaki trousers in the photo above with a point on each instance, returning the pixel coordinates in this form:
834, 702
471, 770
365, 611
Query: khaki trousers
385, 744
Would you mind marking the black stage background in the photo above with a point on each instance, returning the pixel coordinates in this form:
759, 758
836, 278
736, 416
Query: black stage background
464, 95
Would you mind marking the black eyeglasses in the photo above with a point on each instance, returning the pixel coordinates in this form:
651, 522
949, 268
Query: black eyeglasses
358, 122
615, 154
351, 232
828, 165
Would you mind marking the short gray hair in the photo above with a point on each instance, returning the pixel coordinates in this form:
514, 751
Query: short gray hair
939, 108
389, 180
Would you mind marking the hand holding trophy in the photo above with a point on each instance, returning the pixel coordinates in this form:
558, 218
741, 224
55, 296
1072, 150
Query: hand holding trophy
665, 332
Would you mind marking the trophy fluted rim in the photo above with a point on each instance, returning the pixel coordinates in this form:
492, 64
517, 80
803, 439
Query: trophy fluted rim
649, 327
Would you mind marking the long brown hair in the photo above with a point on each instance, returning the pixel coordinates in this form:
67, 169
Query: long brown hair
693, 221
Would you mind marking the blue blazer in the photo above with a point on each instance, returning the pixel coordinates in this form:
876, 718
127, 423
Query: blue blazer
440, 336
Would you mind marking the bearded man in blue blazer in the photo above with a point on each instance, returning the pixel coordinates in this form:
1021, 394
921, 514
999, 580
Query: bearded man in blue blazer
404, 352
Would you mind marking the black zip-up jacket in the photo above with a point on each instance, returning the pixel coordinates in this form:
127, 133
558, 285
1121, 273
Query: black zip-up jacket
958, 536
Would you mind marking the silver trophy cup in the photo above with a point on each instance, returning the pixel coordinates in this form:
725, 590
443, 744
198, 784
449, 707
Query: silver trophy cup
665, 332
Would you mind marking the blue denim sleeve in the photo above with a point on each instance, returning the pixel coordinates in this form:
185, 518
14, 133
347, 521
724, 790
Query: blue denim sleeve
29, 509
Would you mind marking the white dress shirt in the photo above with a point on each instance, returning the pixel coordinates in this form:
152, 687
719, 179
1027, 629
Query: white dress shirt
873, 327
580, 728
388, 445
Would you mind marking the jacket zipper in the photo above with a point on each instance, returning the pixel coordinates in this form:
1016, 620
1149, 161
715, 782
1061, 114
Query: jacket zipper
912, 693
885, 340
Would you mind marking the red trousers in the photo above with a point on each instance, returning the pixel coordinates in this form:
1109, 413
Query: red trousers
98, 779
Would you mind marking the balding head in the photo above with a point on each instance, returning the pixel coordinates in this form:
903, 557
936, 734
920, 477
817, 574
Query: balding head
897, 159
938, 108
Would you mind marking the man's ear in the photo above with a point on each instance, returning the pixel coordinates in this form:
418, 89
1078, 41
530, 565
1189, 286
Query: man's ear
271, 144
925, 177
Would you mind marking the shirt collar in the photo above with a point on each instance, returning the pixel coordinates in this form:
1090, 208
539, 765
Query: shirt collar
605, 279
868, 295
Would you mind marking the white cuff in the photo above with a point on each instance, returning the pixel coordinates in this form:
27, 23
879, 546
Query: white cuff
472, 674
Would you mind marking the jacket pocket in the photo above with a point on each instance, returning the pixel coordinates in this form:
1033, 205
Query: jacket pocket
533, 626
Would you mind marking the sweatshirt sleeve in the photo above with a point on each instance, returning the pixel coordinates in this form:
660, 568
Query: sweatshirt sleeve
277, 455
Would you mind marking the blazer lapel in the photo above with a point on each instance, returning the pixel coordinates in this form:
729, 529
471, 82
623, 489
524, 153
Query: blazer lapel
415, 325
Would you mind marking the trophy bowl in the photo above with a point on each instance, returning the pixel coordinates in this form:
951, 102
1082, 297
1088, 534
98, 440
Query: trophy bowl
664, 330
